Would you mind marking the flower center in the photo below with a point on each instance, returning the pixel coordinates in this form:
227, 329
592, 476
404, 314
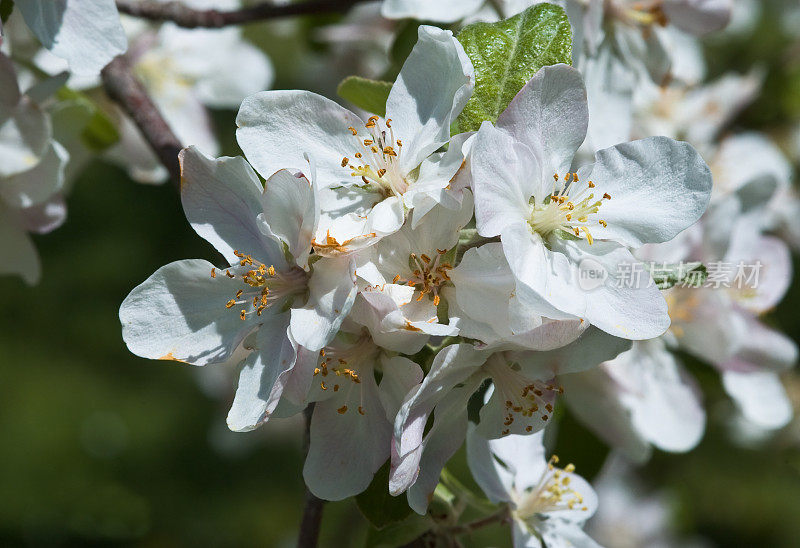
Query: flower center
551, 494
377, 159
265, 287
160, 73
428, 275
341, 365
565, 211
526, 400
640, 13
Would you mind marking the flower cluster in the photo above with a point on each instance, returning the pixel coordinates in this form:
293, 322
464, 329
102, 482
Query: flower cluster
388, 273
414, 287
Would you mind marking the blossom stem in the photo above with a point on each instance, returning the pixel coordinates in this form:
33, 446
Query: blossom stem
500, 516
187, 17
126, 90
312, 511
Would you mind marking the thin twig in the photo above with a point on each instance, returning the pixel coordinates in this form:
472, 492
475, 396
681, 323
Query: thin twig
126, 90
184, 16
312, 511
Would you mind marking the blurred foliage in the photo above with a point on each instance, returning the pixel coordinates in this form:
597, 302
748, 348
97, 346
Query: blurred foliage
101, 448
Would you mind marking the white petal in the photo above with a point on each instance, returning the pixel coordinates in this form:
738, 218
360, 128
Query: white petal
441, 442
24, 138
88, 33
559, 532
45, 217
281, 129
38, 184
552, 278
550, 115
658, 188
259, 388
593, 396
291, 211
440, 11
504, 177
484, 284
452, 365
379, 310
610, 84
698, 17
664, 403
568, 350
762, 349
400, 375
332, 290
773, 261
436, 182
433, 86
222, 200
179, 313
347, 448
760, 396
496, 481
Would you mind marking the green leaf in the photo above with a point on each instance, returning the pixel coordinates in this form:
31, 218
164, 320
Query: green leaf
364, 93
399, 534
667, 275
98, 132
507, 54
378, 506
6, 7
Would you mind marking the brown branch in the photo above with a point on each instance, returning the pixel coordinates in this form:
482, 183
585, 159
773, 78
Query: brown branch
184, 16
312, 511
125, 89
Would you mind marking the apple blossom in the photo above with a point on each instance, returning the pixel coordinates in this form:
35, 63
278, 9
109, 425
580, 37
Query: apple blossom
546, 215
85, 33
269, 299
370, 173
31, 175
185, 71
351, 424
521, 401
549, 505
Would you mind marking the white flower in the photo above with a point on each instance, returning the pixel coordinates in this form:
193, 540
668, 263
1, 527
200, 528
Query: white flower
722, 327
351, 425
270, 298
31, 176
628, 515
521, 401
549, 505
85, 33
550, 219
404, 276
695, 114
370, 172
185, 71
